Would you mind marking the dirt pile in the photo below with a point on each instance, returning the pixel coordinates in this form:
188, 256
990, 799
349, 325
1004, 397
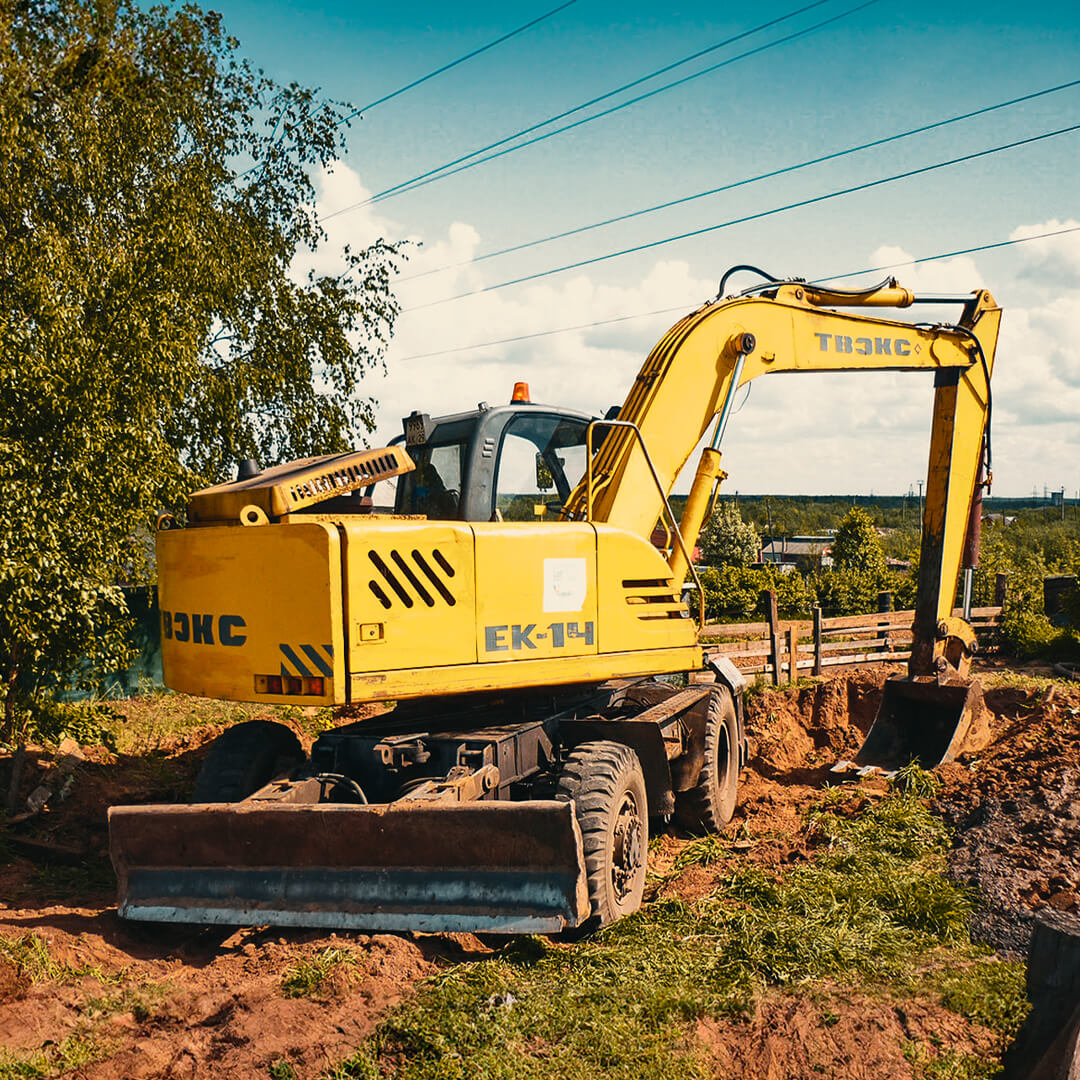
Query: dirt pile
1015, 807
838, 1034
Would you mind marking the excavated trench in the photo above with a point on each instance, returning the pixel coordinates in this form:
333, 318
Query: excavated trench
1013, 806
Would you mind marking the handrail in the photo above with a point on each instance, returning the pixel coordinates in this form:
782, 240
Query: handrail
674, 525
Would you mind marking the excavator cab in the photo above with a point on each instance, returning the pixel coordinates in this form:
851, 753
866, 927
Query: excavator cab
515, 462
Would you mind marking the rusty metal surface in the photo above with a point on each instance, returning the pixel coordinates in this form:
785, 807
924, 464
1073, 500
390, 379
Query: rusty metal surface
924, 720
513, 867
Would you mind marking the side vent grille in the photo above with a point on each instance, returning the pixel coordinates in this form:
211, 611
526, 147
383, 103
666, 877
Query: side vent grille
653, 599
411, 579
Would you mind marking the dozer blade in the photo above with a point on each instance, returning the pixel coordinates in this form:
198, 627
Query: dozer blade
921, 719
497, 866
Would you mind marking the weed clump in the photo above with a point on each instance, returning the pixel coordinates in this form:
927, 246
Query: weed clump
990, 992
311, 978
72, 1052
29, 955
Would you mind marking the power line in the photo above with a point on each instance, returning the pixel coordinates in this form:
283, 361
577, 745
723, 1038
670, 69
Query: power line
447, 169
741, 183
682, 307
461, 59
752, 217
424, 78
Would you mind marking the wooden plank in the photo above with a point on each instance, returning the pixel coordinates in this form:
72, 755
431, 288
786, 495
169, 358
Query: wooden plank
854, 646
734, 649
817, 640
893, 618
865, 658
792, 653
735, 629
859, 631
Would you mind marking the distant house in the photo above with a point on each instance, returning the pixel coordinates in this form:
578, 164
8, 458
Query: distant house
1001, 519
788, 552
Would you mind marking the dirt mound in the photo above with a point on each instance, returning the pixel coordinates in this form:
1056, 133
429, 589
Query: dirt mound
1016, 810
839, 1035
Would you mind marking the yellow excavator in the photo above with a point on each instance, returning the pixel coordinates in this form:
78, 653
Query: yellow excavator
513, 608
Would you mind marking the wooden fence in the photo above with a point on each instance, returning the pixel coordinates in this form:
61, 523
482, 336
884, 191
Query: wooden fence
785, 649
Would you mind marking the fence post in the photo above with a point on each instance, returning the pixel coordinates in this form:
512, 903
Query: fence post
1001, 585
884, 603
768, 598
816, 670
792, 653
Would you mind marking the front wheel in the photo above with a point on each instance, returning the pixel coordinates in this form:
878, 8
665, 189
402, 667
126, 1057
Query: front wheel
605, 783
710, 804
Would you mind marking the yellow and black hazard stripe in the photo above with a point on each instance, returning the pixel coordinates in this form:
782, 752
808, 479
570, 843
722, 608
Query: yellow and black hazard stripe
309, 660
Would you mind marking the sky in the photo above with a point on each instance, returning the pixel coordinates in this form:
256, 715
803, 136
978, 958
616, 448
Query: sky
868, 74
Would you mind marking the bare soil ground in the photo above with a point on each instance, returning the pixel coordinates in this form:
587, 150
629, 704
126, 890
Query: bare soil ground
115, 1000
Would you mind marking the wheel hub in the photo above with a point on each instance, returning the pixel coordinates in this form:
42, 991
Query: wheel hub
626, 855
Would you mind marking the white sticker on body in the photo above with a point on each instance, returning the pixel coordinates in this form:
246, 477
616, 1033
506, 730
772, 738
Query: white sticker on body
565, 584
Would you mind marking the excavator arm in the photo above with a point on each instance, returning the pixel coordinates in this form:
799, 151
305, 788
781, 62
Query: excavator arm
687, 385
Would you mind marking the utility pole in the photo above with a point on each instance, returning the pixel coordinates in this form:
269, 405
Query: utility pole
920, 508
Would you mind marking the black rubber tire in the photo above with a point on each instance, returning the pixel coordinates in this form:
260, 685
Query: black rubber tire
244, 758
606, 785
710, 804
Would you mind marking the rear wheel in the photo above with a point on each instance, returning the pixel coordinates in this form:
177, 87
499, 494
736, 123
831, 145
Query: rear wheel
710, 804
605, 783
244, 758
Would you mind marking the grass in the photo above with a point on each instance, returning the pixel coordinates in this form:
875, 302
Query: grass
314, 977
931, 1063
871, 908
988, 991
29, 955
73, 1052
139, 1000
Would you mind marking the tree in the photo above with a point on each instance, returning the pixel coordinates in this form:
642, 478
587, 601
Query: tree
857, 546
155, 193
727, 540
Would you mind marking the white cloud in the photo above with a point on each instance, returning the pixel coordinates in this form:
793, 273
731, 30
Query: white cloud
1052, 259
826, 434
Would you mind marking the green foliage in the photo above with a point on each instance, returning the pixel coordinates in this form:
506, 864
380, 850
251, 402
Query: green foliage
847, 592
1030, 634
726, 540
140, 1001
281, 1070
989, 991
733, 593
703, 851
29, 955
157, 321
912, 779
931, 1063
857, 546
53, 1059
309, 978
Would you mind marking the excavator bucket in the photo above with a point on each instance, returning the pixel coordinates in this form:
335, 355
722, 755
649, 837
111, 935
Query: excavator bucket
922, 719
500, 867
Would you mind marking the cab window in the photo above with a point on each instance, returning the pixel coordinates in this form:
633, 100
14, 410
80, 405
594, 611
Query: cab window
433, 488
541, 460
